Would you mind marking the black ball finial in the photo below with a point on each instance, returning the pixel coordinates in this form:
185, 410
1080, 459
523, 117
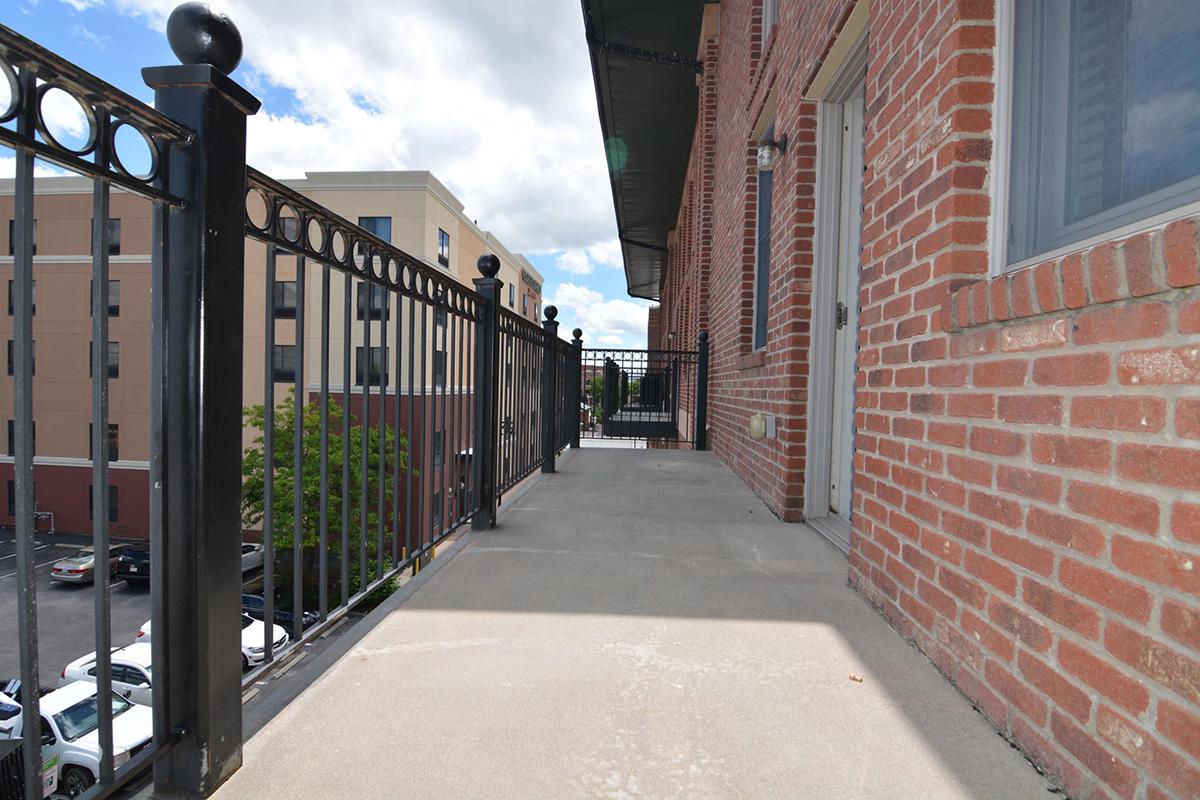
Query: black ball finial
488, 265
577, 333
551, 313
704, 336
199, 35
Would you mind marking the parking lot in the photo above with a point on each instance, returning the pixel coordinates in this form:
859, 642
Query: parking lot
66, 624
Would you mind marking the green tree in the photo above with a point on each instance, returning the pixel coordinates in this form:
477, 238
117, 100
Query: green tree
254, 466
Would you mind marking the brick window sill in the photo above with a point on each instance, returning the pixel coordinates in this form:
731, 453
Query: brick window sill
752, 360
1150, 262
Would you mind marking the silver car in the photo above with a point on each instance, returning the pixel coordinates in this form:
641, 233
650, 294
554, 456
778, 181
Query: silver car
80, 567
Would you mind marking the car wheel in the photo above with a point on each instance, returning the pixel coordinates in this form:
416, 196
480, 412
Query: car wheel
245, 663
76, 780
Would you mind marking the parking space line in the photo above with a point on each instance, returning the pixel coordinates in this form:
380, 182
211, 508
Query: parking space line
35, 566
39, 547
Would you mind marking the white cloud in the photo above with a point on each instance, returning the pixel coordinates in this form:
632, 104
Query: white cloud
88, 36
604, 321
575, 262
82, 5
500, 108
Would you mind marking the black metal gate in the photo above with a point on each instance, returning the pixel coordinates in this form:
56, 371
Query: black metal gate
655, 396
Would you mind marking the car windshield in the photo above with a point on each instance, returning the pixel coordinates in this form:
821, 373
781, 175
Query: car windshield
83, 717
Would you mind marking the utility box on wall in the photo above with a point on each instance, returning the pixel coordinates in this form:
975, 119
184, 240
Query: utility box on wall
762, 426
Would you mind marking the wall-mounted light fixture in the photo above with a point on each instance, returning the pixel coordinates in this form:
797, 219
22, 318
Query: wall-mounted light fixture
770, 150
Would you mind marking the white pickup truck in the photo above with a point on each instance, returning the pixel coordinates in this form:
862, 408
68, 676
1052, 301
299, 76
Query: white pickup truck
70, 739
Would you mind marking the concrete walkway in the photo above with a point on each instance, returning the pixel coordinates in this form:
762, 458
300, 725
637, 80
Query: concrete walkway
638, 626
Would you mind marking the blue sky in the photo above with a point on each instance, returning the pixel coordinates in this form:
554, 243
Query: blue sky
501, 109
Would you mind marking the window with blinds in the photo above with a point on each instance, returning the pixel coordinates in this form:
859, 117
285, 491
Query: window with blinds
1106, 118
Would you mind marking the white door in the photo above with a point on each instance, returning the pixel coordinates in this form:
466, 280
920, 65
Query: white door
845, 337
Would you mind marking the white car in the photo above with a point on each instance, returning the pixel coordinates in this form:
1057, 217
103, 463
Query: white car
252, 556
130, 672
253, 641
70, 735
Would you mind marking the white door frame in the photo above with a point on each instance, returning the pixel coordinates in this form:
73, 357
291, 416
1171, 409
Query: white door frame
826, 251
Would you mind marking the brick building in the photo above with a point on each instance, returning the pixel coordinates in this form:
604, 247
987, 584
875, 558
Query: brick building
951, 247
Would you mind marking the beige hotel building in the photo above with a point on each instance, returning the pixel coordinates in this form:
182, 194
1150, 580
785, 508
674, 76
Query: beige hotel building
412, 209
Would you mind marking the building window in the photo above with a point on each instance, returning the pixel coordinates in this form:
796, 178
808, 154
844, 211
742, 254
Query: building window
12, 497
12, 297
114, 360
439, 317
762, 250
443, 248
114, 297
770, 18
12, 245
524, 305
439, 369
378, 301
1105, 123
283, 295
32, 357
378, 362
114, 449
380, 226
512, 295
114, 238
283, 363
12, 437
439, 445
437, 510
114, 512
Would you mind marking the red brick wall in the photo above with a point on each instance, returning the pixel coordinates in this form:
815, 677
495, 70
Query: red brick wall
1027, 468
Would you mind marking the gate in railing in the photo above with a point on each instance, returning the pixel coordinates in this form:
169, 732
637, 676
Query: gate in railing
391, 404
659, 397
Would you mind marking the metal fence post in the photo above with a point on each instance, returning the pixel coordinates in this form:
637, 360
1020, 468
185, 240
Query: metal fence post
701, 415
549, 387
197, 609
575, 392
487, 389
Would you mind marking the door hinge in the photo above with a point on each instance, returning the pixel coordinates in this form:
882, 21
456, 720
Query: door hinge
842, 315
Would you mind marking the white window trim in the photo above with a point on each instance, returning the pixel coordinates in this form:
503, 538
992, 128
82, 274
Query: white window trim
1002, 81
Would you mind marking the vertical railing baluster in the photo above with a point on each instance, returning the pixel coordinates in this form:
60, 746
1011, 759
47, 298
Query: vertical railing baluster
23, 433
159, 616
549, 388
268, 530
347, 299
364, 431
381, 512
410, 526
396, 450
100, 502
701, 397
323, 524
423, 503
298, 398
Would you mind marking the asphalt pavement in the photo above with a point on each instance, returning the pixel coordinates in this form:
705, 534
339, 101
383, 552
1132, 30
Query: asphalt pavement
65, 612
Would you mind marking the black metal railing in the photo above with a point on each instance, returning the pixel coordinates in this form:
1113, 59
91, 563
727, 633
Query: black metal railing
391, 406
659, 397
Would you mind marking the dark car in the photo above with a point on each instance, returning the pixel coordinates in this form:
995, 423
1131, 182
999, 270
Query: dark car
134, 563
253, 605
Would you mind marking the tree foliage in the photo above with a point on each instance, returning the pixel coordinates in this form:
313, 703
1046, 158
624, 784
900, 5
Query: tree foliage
254, 465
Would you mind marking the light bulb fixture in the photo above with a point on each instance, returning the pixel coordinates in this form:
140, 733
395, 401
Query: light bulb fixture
770, 151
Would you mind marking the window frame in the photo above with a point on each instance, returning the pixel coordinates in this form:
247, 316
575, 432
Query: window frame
114, 360
279, 307
33, 356
1014, 170
281, 374
114, 237
12, 437
443, 256
12, 227
374, 379
376, 304
114, 309
112, 441
11, 297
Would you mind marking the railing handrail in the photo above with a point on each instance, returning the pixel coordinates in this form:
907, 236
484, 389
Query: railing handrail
412, 277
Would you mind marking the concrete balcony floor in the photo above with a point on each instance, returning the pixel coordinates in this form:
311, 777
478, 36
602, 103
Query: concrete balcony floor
639, 625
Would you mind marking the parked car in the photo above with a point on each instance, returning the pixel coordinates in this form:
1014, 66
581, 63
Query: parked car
133, 565
130, 672
80, 567
70, 739
255, 606
253, 638
252, 556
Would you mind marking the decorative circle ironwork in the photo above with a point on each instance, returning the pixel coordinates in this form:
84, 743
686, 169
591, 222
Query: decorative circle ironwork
124, 164
258, 209
314, 232
14, 92
338, 246
289, 223
52, 91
